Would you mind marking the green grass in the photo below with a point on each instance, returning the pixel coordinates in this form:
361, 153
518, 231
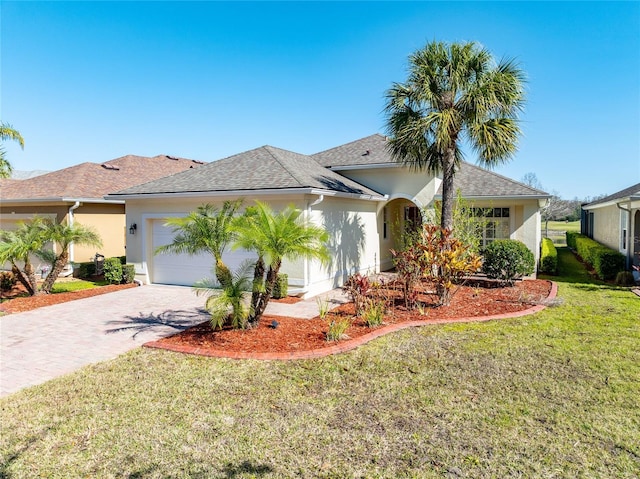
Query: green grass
75, 285
554, 394
557, 229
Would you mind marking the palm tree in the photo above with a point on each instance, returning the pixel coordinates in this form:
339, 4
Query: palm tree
231, 294
276, 236
64, 235
208, 229
454, 92
17, 246
7, 133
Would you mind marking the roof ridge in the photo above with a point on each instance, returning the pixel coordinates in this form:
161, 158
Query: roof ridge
293, 173
347, 144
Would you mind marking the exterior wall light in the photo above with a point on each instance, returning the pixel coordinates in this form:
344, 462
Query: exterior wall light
133, 228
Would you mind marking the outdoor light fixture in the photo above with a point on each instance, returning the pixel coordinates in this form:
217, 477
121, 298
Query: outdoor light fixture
133, 228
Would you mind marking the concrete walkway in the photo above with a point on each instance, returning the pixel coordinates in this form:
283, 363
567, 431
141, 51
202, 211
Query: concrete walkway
39, 345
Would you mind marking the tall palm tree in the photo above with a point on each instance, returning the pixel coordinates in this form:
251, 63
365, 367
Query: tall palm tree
454, 92
277, 236
18, 246
7, 132
64, 235
206, 230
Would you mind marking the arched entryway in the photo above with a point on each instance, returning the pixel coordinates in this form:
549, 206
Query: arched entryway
397, 218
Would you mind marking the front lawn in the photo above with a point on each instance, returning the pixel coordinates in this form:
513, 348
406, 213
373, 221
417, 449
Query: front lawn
549, 395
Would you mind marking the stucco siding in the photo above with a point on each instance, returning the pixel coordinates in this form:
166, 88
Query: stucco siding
606, 226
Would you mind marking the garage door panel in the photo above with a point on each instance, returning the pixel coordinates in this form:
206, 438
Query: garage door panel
183, 269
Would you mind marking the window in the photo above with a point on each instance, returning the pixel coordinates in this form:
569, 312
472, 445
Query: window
412, 218
623, 230
385, 220
496, 224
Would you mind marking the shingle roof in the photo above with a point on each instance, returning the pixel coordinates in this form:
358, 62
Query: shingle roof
93, 180
626, 193
371, 150
473, 182
264, 168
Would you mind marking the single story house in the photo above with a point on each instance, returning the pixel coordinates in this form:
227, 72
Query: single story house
356, 191
615, 222
76, 194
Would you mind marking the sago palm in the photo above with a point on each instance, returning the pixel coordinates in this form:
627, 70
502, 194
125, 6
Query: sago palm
206, 230
454, 93
64, 235
276, 236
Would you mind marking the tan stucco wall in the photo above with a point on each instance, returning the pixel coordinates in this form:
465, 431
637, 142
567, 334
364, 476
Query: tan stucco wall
109, 223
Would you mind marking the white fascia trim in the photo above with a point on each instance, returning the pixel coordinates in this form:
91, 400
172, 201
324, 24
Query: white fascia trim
368, 166
607, 203
253, 193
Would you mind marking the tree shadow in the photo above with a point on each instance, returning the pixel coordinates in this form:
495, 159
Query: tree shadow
337, 185
178, 320
232, 471
347, 242
11, 457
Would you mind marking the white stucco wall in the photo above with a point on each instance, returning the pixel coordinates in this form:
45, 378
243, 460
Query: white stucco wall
351, 225
606, 226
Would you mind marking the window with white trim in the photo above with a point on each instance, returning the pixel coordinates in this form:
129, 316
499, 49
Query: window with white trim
623, 230
496, 224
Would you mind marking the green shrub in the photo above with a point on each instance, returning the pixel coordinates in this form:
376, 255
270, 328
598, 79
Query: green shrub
548, 257
123, 260
7, 280
625, 278
571, 238
128, 273
608, 263
281, 288
113, 270
508, 260
84, 270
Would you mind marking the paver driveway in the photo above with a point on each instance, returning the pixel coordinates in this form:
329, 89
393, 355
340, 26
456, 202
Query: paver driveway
39, 345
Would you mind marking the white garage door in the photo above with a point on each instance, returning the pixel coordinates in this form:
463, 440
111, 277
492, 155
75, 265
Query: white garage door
185, 270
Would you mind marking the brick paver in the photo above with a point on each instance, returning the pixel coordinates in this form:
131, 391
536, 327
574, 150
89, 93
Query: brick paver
39, 345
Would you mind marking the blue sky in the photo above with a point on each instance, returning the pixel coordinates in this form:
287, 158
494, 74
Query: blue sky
92, 81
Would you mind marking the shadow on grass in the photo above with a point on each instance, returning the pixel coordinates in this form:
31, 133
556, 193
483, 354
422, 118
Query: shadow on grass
177, 320
232, 471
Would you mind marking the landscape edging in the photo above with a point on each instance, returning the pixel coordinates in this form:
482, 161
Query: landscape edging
349, 344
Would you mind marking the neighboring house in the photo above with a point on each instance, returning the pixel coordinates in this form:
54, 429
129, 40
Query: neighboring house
356, 191
76, 194
615, 222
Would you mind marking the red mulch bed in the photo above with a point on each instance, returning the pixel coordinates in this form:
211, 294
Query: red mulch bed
20, 304
296, 335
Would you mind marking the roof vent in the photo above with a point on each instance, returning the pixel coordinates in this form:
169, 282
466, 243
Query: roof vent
107, 166
366, 153
172, 158
198, 162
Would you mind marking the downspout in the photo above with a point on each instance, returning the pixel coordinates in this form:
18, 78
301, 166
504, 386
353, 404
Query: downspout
75, 206
307, 268
629, 259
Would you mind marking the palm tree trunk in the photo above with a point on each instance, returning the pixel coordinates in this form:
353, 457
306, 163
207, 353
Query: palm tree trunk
57, 268
448, 172
258, 279
270, 283
24, 280
223, 274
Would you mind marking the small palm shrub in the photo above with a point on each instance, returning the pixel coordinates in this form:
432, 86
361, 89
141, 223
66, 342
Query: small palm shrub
113, 270
374, 311
338, 328
508, 260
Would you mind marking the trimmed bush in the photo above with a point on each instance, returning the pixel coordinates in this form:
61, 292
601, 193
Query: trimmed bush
548, 257
113, 270
508, 260
606, 262
281, 289
571, 238
84, 270
128, 273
